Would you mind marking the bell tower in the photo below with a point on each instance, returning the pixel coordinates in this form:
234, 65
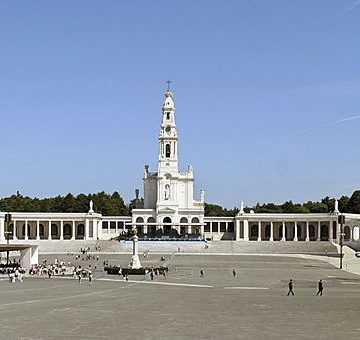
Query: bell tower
168, 140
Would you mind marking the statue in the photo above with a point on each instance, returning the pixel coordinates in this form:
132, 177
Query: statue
190, 168
135, 261
91, 210
241, 207
167, 191
202, 195
336, 210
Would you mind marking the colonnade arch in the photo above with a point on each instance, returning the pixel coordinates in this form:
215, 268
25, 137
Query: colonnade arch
151, 229
183, 228
140, 227
167, 228
195, 229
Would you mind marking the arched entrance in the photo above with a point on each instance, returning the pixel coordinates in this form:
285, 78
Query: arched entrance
139, 227
67, 232
80, 232
151, 229
312, 233
254, 232
267, 232
183, 228
347, 233
324, 233
195, 229
41, 231
167, 227
55, 231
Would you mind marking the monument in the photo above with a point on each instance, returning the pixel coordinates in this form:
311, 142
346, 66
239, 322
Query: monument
135, 261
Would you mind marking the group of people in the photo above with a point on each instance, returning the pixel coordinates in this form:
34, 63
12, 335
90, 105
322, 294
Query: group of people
81, 273
50, 269
291, 288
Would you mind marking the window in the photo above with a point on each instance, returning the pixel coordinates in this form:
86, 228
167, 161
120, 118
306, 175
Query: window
167, 150
167, 115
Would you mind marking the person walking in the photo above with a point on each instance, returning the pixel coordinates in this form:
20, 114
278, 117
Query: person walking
320, 288
291, 286
90, 276
202, 272
234, 272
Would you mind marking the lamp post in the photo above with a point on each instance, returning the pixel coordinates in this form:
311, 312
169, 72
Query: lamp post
341, 221
7, 232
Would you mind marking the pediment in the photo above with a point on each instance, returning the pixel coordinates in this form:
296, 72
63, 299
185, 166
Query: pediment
166, 210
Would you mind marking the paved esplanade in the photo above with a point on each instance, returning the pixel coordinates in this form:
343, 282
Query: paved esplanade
253, 305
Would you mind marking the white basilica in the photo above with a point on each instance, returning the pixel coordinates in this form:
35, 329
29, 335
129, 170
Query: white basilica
170, 211
169, 204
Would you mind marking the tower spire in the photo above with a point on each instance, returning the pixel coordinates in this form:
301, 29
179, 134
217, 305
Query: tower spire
168, 82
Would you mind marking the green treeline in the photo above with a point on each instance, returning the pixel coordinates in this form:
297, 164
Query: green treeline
346, 204
114, 205
104, 203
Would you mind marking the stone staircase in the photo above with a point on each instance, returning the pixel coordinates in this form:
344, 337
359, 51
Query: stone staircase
278, 247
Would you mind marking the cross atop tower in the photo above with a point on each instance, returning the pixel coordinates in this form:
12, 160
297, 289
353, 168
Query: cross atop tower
168, 82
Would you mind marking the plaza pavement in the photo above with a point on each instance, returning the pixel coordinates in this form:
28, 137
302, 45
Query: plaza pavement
253, 305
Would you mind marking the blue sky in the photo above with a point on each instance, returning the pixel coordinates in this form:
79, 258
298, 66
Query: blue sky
267, 96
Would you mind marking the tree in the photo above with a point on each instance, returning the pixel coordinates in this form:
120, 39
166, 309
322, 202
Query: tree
354, 203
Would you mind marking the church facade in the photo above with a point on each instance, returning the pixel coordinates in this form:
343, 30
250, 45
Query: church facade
169, 204
170, 210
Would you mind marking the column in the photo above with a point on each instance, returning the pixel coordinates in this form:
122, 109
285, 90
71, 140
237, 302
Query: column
318, 231
330, 231
271, 231
73, 231
219, 226
246, 230
61, 230
259, 231
108, 227
202, 231
307, 232
283, 232
296, 231
145, 229
14, 231
86, 236
237, 230
189, 229
26, 236
38, 230
226, 226
49, 234
2, 230
211, 228
98, 229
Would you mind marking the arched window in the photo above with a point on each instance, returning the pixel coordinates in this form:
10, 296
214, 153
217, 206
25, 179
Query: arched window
167, 115
167, 151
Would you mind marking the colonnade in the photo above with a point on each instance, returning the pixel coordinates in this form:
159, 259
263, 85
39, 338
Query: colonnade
26, 229
309, 230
